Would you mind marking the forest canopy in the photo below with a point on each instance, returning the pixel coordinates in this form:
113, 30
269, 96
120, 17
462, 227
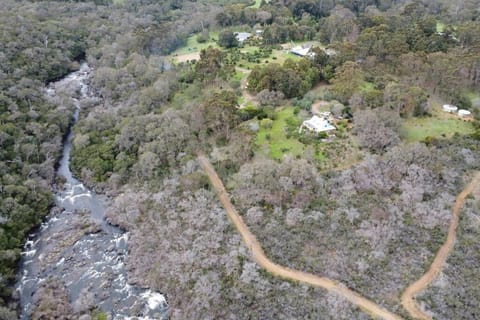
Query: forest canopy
171, 78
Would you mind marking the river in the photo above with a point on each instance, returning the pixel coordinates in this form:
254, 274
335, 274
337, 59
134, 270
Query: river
78, 248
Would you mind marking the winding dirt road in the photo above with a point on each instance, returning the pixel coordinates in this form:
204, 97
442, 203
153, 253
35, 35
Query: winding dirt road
259, 256
408, 296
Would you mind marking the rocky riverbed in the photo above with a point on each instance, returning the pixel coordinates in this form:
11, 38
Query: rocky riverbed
73, 267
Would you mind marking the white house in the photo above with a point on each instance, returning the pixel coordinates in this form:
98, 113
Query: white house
449, 108
464, 113
302, 51
242, 36
317, 124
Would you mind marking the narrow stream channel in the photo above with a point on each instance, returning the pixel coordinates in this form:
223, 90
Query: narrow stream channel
78, 247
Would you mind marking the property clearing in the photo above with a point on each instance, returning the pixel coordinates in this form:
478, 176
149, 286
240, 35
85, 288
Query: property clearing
320, 106
408, 296
187, 57
192, 48
417, 129
286, 273
275, 138
440, 124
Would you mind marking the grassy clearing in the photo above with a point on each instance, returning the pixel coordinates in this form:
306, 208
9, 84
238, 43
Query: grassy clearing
417, 129
238, 76
367, 87
275, 139
441, 124
193, 45
257, 4
277, 56
440, 26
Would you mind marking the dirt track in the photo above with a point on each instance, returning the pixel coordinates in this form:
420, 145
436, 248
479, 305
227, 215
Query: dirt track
408, 296
259, 256
247, 96
317, 105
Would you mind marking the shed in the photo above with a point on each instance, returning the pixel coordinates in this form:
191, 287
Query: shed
464, 113
449, 108
242, 36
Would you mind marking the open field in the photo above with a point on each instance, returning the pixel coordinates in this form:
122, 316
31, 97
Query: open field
417, 129
277, 56
440, 124
193, 45
275, 138
187, 57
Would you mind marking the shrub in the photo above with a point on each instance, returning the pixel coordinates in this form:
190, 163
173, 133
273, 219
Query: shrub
203, 37
266, 123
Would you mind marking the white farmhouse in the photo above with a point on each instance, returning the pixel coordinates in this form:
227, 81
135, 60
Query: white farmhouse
449, 108
302, 51
317, 124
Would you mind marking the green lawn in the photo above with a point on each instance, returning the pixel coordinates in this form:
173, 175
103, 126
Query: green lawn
278, 144
417, 129
280, 57
257, 4
192, 44
367, 86
440, 26
238, 76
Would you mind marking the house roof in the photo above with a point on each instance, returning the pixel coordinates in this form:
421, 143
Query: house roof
318, 124
242, 36
300, 50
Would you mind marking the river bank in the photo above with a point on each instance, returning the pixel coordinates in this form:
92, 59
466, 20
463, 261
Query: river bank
74, 265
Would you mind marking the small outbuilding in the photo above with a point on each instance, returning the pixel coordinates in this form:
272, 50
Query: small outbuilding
317, 124
449, 108
330, 52
242, 36
464, 113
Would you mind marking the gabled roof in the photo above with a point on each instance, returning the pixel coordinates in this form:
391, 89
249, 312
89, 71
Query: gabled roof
300, 50
318, 124
242, 36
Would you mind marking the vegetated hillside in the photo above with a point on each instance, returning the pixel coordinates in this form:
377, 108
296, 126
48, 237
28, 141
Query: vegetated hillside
32, 126
41, 42
182, 244
446, 296
373, 226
